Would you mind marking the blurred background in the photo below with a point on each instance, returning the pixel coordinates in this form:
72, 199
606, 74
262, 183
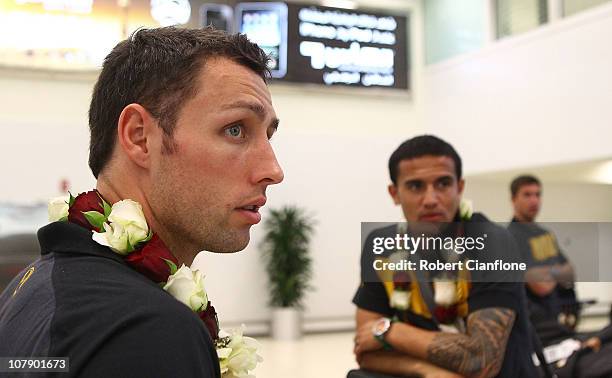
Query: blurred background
515, 85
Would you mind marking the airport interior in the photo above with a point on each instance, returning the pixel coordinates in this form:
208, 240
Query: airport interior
515, 86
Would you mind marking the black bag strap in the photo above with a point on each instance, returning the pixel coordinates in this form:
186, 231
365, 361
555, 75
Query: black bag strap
427, 295
539, 351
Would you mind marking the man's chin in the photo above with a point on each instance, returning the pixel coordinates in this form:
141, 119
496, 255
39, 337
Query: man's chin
232, 244
428, 228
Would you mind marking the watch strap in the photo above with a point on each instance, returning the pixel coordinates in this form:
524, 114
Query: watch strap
381, 336
385, 344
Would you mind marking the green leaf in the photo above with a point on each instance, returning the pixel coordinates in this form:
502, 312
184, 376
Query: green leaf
63, 219
131, 248
107, 208
149, 236
71, 200
95, 218
171, 265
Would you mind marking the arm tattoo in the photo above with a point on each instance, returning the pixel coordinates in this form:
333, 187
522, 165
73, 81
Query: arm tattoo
479, 352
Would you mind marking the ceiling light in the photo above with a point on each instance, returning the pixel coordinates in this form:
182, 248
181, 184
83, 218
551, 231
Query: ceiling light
344, 4
603, 172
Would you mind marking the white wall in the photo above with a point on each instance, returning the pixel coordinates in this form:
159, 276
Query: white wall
561, 202
333, 146
539, 98
43, 123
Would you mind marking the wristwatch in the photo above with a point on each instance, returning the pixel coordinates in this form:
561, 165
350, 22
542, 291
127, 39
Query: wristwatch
380, 329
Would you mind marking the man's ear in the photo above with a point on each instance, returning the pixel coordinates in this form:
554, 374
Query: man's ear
135, 131
461, 186
392, 188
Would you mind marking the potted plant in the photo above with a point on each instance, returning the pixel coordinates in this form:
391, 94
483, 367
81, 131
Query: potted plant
289, 267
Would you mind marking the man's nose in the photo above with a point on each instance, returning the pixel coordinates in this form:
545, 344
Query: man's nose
267, 170
430, 197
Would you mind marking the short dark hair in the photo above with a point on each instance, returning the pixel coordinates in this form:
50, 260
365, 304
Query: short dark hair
422, 145
521, 181
158, 69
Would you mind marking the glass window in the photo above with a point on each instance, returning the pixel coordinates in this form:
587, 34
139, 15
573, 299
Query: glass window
518, 16
574, 6
453, 27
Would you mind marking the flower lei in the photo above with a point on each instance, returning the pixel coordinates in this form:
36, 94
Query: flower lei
123, 228
447, 294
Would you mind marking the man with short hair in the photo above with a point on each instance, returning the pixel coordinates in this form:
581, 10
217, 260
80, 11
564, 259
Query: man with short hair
474, 326
180, 122
550, 276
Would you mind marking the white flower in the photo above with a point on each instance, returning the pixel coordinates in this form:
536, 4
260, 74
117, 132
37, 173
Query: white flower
129, 215
187, 286
239, 355
126, 227
398, 257
465, 209
445, 293
57, 208
400, 299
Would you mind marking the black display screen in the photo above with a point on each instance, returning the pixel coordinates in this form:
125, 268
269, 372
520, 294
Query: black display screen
331, 46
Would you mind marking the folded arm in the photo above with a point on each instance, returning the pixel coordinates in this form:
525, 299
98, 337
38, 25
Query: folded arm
478, 353
396, 363
542, 280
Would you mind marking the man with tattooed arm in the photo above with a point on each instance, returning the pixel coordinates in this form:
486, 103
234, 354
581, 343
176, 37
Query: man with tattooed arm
479, 326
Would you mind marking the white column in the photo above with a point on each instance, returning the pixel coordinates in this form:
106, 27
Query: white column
491, 20
555, 10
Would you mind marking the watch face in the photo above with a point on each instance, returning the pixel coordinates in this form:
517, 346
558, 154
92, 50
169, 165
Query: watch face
381, 326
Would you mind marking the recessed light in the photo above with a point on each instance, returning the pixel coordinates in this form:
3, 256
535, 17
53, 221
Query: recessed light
344, 4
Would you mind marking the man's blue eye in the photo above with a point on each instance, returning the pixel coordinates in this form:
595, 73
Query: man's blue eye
234, 131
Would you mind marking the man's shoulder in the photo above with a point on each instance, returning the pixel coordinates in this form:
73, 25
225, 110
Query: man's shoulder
479, 225
384, 231
527, 229
157, 336
99, 316
108, 286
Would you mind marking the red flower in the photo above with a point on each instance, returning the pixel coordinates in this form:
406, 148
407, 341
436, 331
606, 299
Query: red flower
84, 202
401, 281
209, 317
446, 315
149, 260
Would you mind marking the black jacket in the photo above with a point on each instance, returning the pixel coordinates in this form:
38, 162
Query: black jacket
82, 301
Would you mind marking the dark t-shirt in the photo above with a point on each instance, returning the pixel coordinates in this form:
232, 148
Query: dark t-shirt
83, 302
537, 245
484, 293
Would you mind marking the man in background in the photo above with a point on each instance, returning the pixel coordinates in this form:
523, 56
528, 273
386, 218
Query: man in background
550, 276
467, 328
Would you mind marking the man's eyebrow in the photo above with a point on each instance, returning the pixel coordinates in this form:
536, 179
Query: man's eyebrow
421, 181
413, 181
256, 108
